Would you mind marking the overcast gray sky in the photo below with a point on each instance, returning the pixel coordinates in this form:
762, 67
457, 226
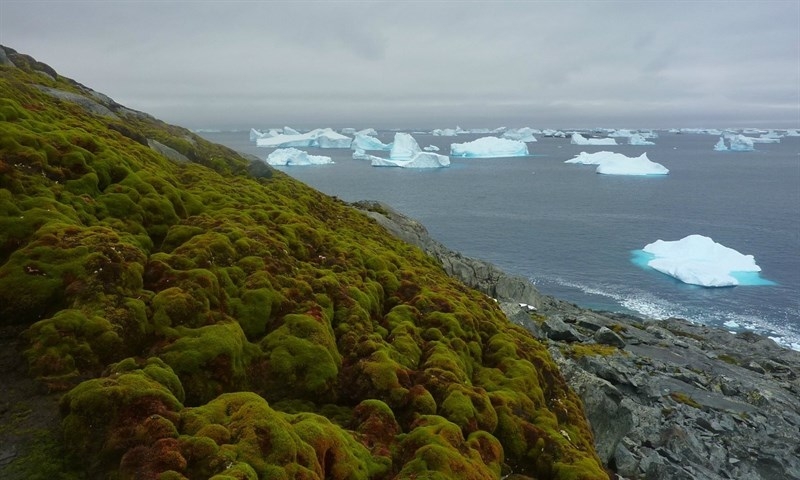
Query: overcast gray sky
427, 64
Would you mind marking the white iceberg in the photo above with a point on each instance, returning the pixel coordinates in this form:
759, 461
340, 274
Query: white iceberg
290, 131
621, 133
255, 134
367, 142
489, 147
792, 133
360, 154
698, 260
740, 143
578, 139
406, 153
720, 146
420, 160
404, 147
609, 163
431, 148
368, 131
638, 139
524, 134
765, 139
293, 156
320, 137
446, 132
553, 133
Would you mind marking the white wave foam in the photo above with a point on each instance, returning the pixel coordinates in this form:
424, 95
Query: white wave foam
649, 305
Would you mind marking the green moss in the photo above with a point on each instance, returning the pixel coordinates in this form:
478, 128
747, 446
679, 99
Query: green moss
210, 360
221, 282
685, 399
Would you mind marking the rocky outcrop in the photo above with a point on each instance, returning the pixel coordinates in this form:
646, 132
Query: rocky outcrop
666, 399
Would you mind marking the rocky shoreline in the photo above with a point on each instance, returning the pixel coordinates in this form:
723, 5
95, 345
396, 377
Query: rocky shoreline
667, 399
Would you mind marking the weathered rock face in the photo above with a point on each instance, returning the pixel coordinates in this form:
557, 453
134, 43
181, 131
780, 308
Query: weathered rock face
666, 399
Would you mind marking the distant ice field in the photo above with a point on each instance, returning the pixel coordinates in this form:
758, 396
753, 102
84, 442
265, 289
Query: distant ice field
572, 231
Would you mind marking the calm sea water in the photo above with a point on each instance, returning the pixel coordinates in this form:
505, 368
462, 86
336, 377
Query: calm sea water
572, 231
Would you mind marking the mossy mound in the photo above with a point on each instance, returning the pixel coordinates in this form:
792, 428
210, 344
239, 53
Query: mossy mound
206, 323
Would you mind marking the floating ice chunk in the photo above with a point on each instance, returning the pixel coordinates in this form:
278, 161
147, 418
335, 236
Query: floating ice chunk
578, 139
293, 156
621, 133
638, 139
765, 139
367, 131
553, 133
321, 137
524, 134
255, 134
290, 131
698, 260
720, 146
431, 148
446, 132
404, 147
406, 153
740, 143
366, 142
489, 147
360, 154
420, 160
330, 139
792, 133
610, 163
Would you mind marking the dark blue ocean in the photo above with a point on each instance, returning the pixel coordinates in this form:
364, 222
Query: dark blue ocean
572, 231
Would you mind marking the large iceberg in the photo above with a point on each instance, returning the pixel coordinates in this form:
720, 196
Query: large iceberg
578, 139
610, 163
293, 156
489, 147
638, 139
420, 160
720, 145
445, 132
524, 134
406, 153
367, 142
698, 260
740, 143
320, 137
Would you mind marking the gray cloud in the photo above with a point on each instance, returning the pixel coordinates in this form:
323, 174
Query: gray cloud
427, 64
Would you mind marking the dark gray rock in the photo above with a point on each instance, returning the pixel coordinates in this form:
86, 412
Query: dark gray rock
167, 151
557, 329
88, 104
606, 336
4, 60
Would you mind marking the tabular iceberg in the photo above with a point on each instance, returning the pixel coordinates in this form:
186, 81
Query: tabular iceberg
293, 156
720, 145
609, 163
698, 260
446, 132
638, 139
406, 153
489, 147
321, 137
578, 139
524, 134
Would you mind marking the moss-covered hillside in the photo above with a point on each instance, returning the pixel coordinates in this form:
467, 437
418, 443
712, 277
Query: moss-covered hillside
201, 318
